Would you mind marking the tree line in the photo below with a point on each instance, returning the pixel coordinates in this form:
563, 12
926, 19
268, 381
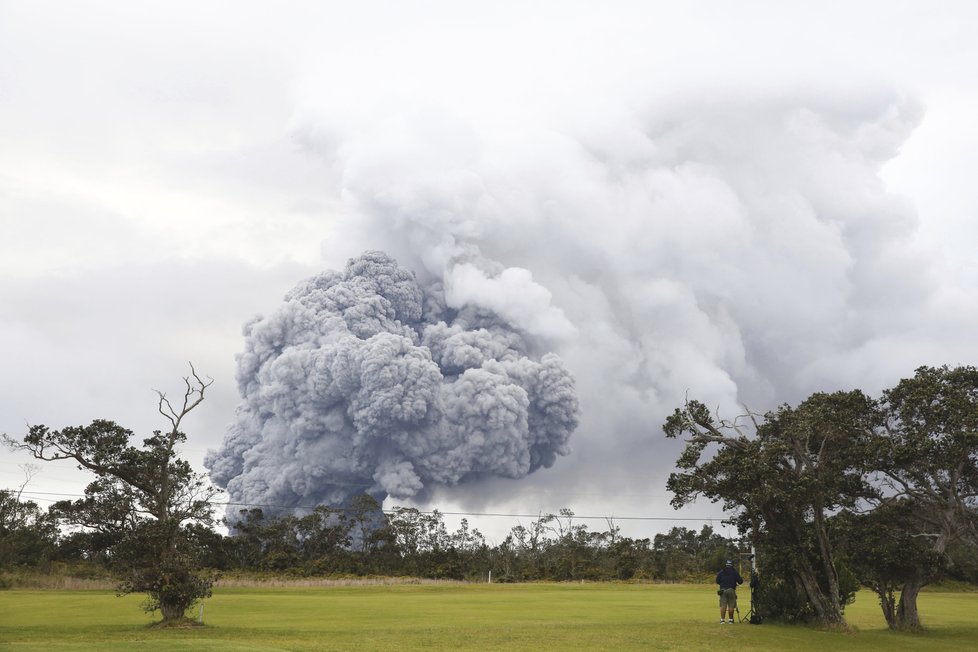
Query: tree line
330, 541
838, 492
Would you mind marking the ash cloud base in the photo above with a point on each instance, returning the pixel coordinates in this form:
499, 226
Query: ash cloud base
365, 380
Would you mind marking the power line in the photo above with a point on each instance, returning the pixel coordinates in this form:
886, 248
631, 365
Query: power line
585, 518
427, 512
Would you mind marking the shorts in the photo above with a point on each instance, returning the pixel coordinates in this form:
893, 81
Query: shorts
728, 599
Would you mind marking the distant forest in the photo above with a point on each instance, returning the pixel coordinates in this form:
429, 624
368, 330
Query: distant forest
363, 541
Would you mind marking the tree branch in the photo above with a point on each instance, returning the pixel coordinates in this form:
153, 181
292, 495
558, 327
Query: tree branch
192, 397
713, 434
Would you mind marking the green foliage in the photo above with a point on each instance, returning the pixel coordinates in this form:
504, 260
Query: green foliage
929, 451
358, 540
28, 536
963, 561
927, 454
418, 544
683, 555
883, 553
166, 566
783, 598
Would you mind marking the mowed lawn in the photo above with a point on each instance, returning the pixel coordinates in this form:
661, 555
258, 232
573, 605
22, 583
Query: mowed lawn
460, 617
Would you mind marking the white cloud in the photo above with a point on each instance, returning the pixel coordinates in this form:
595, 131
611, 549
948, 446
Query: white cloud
751, 200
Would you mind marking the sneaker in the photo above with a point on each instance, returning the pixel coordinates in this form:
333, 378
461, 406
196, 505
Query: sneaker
731, 621
721, 621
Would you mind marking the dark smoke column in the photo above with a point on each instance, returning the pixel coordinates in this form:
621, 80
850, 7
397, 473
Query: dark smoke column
364, 381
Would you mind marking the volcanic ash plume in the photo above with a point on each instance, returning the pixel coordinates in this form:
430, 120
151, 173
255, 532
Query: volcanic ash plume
365, 381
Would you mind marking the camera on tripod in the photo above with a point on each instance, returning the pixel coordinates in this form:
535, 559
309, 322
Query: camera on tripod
753, 616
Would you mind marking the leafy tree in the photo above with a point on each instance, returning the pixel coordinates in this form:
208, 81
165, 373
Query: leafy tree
281, 545
145, 498
416, 532
472, 550
467, 539
571, 553
963, 556
525, 547
784, 475
325, 537
682, 554
28, 536
316, 543
246, 546
372, 544
629, 558
928, 457
884, 554
369, 528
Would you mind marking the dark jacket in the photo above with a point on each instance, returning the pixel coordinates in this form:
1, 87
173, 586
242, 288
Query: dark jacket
729, 578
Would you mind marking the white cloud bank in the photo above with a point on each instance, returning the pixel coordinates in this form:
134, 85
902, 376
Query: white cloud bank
752, 201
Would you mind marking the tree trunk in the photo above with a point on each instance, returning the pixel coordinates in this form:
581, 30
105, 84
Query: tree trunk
825, 548
172, 611
826, 612
887, 604
907, 616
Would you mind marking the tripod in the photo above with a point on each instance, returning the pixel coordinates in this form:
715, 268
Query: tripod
753, 616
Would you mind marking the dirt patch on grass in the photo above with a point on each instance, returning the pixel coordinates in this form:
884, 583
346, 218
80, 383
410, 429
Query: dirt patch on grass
183, 623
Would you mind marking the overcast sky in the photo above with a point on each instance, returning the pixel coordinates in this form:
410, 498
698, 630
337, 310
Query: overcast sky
750, 201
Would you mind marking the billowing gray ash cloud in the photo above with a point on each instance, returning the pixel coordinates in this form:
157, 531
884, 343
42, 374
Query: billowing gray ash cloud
366, 381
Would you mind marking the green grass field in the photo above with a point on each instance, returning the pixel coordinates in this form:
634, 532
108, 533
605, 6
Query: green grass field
459, 617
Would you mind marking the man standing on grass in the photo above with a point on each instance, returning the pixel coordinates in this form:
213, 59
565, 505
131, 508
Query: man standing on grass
728, 579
